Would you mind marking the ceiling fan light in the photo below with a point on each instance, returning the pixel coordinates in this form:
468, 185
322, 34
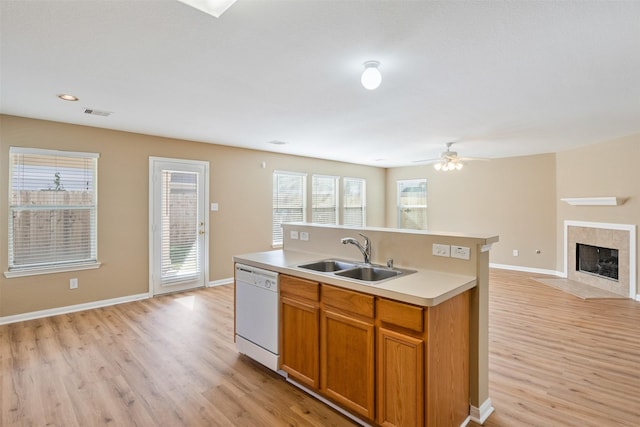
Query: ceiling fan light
371, 77
438, 166
459, 166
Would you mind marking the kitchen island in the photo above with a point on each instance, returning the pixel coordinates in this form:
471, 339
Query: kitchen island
397, 352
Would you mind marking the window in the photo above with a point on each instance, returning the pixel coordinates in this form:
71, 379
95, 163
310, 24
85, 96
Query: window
52, 211
354, 202
289, 201
412, 204
324, 199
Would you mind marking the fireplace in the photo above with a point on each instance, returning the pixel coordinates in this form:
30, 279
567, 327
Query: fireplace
596, 260
601, 255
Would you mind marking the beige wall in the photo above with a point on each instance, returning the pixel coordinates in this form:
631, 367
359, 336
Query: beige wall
514, 198
605, 169
238, 183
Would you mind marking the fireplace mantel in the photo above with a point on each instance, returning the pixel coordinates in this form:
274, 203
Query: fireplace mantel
595, 201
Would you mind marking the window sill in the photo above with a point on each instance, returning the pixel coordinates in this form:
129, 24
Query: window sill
51, 270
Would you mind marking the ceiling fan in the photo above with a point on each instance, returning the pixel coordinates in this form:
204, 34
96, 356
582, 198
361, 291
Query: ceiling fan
449, 160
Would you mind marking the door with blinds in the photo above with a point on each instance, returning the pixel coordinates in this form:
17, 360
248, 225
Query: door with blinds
412, 204
178, 220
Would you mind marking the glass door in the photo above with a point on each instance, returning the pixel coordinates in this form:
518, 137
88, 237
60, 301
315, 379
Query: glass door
412, 204
178, 224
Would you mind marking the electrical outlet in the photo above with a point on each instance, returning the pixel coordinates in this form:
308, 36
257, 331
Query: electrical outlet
304, 236
441, 250
73, 283
293, 234
516, 252
460, 252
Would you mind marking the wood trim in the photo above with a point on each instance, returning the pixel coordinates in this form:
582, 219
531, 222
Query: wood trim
448, 340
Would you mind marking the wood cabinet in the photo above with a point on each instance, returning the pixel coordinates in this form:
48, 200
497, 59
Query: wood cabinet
400, 361
388, 362
347, 349
422, 363
300, 330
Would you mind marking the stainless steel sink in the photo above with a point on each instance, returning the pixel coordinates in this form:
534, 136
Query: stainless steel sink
369, 274
356, 271
328, 266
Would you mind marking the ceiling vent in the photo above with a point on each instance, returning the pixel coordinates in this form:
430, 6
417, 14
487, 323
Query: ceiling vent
97, 112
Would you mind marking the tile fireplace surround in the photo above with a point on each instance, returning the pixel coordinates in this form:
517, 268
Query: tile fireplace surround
615, 236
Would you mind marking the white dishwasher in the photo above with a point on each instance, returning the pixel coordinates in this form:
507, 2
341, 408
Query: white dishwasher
257, 314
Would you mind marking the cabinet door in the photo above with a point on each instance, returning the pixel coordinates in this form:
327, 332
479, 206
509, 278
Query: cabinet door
300, 339
347, 362
400, 380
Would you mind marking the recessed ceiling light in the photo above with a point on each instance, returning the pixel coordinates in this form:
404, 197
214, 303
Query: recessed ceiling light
67, 97
212, 7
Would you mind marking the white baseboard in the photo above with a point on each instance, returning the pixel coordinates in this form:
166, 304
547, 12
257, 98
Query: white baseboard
527, 269
480, 415
220, 282
71, 308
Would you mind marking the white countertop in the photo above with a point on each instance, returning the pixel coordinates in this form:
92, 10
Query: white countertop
424, 287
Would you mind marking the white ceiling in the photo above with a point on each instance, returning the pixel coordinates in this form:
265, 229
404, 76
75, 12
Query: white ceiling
500, 78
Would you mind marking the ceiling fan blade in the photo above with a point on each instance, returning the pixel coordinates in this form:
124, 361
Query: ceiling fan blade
428, 161
471, 159
449, 156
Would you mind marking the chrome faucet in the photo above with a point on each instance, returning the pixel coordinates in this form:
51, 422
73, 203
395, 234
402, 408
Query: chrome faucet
365, 249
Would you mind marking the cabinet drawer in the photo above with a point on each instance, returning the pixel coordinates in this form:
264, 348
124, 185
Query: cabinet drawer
294, 286
350, 301
400, 314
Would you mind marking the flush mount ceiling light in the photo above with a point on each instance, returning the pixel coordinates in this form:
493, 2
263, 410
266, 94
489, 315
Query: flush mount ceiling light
212, 7
371, 77
67, 97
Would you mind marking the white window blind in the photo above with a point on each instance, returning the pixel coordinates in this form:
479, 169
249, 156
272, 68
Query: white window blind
180, 226
324, 199
412, 204
354, 203
52, 209
289, 201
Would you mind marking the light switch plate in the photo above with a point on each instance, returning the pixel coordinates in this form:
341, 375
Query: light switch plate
304, 235
441, 250
293, 234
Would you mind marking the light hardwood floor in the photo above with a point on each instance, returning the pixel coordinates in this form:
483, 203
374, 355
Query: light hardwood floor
555, 360
558, 360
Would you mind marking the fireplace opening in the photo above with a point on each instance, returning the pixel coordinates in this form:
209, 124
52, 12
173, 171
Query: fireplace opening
602, 262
